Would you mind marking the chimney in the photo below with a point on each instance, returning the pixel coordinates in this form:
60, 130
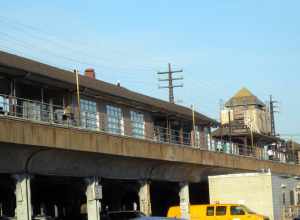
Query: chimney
90, 72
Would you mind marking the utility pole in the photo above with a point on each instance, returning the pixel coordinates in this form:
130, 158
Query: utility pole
272, 112
170, 80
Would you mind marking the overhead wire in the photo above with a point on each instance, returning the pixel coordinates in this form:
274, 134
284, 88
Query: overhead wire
22, 28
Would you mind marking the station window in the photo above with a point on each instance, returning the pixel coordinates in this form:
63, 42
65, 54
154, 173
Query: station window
221, 210
283, 198
89, 117
210, 211
115, 122
138, 124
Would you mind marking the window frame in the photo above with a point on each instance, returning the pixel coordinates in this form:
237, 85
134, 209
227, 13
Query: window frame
89, 114
115, 119
137, 125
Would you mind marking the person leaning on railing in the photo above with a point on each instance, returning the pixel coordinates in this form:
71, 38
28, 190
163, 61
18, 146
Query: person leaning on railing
270, 153
68, 114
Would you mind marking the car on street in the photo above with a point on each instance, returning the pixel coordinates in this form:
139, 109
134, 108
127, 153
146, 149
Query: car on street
155, 218
130, 215
121, 215
7, 218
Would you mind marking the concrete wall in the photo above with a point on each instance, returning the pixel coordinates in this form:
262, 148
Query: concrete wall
253, 190
261, 192
22, 132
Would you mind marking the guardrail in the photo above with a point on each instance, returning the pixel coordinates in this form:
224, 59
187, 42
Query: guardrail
70, 117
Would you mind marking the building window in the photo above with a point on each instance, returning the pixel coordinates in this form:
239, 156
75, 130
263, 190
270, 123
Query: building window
283, 198
88, 112
137, 124
292, 199
115, 122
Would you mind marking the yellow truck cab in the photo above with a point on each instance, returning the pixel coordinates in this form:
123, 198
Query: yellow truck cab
217, 212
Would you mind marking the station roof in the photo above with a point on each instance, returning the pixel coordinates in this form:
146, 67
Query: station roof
47, 71
244, 97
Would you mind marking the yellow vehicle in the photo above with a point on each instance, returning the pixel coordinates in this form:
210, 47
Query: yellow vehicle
217, 212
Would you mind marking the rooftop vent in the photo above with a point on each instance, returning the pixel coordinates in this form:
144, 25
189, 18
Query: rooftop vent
118, 83
90, 72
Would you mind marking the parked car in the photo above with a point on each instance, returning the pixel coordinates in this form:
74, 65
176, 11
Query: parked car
121, 215
155, 218
42, 217
130, 215
7, 218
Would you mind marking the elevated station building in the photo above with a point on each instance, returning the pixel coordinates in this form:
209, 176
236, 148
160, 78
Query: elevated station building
70, 149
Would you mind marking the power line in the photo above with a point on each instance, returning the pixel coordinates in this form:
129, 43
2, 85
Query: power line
170, 80
49, 38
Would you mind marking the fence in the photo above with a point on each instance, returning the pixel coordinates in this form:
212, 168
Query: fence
70, 117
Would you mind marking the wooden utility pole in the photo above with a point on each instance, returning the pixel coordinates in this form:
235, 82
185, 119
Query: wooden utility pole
194, 125
78, 94
272, 111
170, 80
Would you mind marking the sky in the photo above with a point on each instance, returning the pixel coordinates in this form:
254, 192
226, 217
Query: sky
220, 45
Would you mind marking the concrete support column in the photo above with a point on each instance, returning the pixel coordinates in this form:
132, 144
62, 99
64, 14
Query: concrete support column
23, 197
144, 197
184, 196
93, 196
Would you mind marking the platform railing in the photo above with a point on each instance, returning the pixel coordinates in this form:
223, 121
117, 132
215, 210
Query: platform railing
43, 112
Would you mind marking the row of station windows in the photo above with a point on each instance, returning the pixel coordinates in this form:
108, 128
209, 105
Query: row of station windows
115, 118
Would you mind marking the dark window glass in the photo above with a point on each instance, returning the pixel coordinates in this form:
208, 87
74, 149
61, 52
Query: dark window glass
221, 210
237, 210
292, 200
210, 211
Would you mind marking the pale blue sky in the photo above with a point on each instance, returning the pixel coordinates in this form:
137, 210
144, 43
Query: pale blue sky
220, 45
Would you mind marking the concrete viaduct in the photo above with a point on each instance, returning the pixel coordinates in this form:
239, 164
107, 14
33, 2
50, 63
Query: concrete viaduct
30, 148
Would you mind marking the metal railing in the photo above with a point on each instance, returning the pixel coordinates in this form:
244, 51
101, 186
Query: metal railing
70, 117
249, 151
